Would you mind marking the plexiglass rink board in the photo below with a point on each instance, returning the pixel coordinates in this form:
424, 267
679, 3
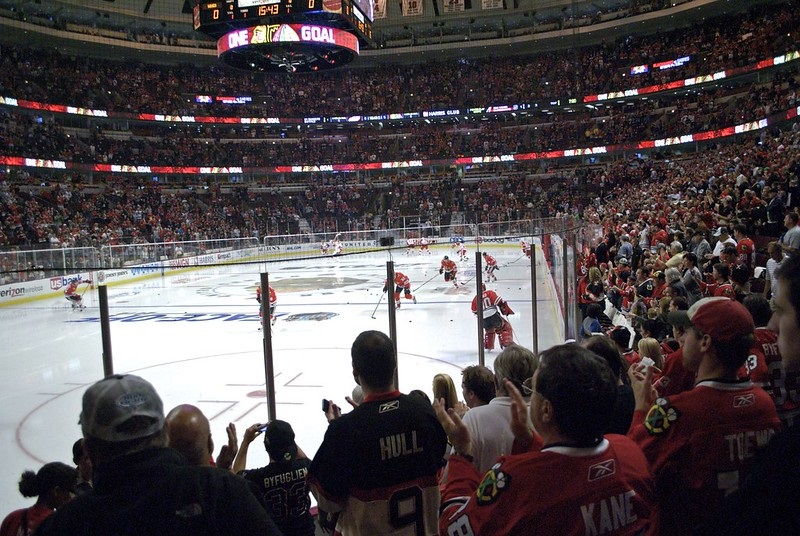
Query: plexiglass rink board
195, 336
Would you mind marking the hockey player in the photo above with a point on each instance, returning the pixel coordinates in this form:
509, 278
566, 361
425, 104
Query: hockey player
324, 247
461, 249
495, 309
491, 266
449, 269
337, 247
423, 246
411, 246
273, 301
402, 284
71, 293
526, 247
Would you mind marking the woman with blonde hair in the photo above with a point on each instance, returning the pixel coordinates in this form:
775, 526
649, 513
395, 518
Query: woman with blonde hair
445, 388
649, 348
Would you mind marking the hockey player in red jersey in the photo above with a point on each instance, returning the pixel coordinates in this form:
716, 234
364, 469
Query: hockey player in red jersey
273, 302
71, 292
574, 481
402, 284
450, 270
491, 267
495, 323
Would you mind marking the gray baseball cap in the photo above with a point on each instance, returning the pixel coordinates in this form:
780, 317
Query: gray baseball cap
111, 403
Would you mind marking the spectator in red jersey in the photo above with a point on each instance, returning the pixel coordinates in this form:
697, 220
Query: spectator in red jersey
53, 485
766, 502
745, 248
687, 437
568, 380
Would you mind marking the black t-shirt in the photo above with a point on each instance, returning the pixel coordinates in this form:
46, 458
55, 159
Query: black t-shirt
285, 494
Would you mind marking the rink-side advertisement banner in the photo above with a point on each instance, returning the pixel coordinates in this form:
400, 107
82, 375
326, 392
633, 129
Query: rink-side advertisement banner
54, 286
40, 287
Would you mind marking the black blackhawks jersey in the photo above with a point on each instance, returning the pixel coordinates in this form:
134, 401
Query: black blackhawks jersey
378, 467
645, 288
285, 494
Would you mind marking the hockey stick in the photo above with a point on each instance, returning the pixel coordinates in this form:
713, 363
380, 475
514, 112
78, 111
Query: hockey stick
515, 260
426, 282
380, 299
87, 287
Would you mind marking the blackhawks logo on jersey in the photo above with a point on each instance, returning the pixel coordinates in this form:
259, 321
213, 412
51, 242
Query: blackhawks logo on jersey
660, 417
492, 485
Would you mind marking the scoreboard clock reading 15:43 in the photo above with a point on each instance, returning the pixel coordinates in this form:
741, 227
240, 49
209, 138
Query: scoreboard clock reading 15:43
218, 18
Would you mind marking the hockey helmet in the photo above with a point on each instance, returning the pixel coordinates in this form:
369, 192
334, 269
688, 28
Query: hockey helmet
446, 257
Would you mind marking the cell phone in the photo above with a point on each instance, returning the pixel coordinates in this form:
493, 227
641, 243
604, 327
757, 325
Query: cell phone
263, 428
326, 404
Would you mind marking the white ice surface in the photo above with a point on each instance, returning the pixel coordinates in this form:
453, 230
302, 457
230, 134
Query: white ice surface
195, 336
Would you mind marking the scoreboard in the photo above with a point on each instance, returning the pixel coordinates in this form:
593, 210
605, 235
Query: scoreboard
219, 17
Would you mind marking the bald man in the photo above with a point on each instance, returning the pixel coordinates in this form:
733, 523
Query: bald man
189, 432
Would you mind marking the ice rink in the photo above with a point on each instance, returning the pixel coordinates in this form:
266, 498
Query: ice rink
196, 337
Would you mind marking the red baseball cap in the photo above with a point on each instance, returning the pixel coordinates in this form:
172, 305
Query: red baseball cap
723, 319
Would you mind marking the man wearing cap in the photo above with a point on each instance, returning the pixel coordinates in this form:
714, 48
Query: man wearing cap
766, 503
282, 483
377, 466
625, 248
141, 486
701, 443
699, 245
723, 239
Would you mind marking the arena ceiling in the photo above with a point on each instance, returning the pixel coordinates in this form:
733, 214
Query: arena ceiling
517, 27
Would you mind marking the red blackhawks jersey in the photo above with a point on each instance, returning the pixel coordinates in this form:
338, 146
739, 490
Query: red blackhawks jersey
448, 265
763, 367
700, 445
273, 298
402, 280
492, 303
675, 378
607, 489
378, 466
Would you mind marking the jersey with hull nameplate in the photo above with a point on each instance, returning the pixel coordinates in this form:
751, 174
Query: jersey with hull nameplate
700, 444
378, 465
607, 489
450, 270
495, 323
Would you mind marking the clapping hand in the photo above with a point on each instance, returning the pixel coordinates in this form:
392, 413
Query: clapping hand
228, 452
457, 432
